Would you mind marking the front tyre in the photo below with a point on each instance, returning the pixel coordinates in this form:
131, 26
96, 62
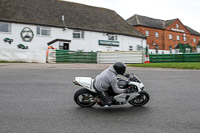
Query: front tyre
140, 100
84, 98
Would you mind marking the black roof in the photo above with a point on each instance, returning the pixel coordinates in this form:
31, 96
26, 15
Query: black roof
146, 21
155, 23
77, 16
193, 32
56, 40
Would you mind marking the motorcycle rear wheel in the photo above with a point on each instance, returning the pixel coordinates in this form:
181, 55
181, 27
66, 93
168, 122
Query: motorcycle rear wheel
140, 100
83, 98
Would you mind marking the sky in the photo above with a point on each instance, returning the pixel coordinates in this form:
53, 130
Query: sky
187, 11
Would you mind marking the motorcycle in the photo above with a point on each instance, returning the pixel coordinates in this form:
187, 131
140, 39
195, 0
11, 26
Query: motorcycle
135, 93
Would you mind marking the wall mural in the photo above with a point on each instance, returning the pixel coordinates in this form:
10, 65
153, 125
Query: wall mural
27, 34
21, 46
8, 40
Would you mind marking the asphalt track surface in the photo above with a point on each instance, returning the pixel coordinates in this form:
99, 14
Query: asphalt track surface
38, 98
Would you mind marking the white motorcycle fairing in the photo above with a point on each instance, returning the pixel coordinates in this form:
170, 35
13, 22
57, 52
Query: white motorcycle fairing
87, 82
124, 97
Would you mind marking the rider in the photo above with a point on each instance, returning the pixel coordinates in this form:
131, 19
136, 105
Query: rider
107, 79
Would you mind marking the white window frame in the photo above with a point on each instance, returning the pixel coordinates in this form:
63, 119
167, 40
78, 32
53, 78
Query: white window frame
156, 34
170, 49
177, 26
157, 49
40, 31
8, 27
194, 40
112, 37
184, 38
178, 37
78, 34
146, 33
139, 47
130, 48
170, 36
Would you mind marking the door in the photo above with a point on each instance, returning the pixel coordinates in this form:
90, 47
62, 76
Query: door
66, 46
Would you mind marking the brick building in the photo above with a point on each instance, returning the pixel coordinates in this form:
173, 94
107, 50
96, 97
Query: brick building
165, 36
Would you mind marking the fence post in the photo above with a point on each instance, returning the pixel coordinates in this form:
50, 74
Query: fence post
98, 57
51, 58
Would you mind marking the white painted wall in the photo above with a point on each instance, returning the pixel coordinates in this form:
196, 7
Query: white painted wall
153, 51
89, 43
38, 42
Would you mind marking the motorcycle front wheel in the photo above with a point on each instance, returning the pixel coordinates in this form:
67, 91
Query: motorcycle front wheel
84, 98
140, 100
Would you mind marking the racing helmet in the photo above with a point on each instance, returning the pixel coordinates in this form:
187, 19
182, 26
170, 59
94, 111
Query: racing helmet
119, 67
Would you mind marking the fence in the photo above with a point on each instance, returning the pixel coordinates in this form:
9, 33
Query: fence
161, 58
23, 55
126, 57
64, 56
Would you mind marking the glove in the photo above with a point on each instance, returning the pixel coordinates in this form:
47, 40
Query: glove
127, 75
127, 91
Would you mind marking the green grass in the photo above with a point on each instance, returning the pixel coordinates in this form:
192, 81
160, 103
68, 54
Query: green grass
169, 65
11, 61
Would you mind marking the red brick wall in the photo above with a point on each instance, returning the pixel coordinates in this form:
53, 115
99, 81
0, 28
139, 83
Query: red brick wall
163, 40
151, 39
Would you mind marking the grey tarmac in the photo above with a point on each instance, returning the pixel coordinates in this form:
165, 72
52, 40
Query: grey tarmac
38, 98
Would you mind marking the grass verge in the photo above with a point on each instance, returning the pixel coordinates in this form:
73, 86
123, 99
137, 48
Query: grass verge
11, 61
187, 65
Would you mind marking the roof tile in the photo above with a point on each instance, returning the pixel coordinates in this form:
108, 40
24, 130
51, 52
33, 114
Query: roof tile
77, 16
155, 23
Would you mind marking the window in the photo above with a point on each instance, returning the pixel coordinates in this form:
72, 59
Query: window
78, 34
60, 45
112, 37
170, 49
147, 33
157, 49
170, 36
130, 48
177, 26
5, 27
184, 38
44, 31
177, 37
156, 34
194, 40
139, 47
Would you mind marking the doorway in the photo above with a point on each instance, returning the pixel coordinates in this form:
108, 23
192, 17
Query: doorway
66, 46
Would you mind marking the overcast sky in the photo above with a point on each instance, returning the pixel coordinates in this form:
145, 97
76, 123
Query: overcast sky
188, 11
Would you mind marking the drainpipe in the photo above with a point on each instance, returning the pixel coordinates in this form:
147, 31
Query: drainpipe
163, 40
143, 56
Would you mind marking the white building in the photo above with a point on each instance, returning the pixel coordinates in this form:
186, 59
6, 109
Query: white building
36, 24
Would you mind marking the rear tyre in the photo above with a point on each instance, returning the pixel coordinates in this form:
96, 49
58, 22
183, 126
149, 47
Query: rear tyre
140, 100
84, 98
